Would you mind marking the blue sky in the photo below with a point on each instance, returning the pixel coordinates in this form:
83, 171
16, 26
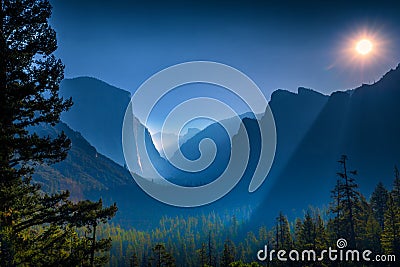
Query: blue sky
281, 44
278, 44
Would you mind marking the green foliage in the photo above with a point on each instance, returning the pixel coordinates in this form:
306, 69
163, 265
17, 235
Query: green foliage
206, 240
228, 254
282, 232
311, 233
193, 241
378, 202
37, 229
391, 231
161, 257
396, 187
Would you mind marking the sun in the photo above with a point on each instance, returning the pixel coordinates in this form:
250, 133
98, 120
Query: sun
363, 49
364, 46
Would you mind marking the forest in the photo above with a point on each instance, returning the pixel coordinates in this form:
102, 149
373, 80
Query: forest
213, 240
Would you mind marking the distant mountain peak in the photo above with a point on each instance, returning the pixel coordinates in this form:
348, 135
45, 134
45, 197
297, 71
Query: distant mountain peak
308, 91
97, 102
302, 92
94, 83
389, 81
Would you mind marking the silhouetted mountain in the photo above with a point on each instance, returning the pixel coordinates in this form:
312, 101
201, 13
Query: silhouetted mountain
293, 113
313, 130
361, 124
97, 113
88, 174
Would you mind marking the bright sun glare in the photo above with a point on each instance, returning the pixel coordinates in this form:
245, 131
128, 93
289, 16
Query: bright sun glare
364, 46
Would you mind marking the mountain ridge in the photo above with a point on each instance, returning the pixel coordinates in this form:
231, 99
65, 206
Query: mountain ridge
313, 131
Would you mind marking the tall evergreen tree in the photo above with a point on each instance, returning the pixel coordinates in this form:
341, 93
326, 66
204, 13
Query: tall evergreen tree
391, 232
298, 225
161, 257
134, 261
228, 254
211, 261
311, 233
346, 201
89, 215
35, 228
282, 232
321, 235
307, 235
378, 201
372, 238
202, 255
29, 78
396, 187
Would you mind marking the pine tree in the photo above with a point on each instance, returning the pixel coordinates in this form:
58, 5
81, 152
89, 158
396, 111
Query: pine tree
161, 257
211, 261
307, 232
298, 225
367, 227
391, 233
372, 239
378, 203
390, 237
396, 187
346, 200
89, 215
29, 78
36, 229
134, 261
228, 254
282, 231
202, 252
311, 233
321, 235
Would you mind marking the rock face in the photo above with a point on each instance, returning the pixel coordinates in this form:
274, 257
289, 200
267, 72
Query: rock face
313, 131
97, 113
363, 125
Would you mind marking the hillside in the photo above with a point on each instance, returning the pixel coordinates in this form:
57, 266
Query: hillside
84, 172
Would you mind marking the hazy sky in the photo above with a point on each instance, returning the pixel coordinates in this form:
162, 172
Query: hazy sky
278, 44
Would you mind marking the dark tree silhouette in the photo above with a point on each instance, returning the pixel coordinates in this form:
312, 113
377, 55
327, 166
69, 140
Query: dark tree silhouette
282, 233
346, 203
228, 254
202, 255
29, 85
396, 187
379, 199
391, 232
134, 261
161, 257
29, 79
